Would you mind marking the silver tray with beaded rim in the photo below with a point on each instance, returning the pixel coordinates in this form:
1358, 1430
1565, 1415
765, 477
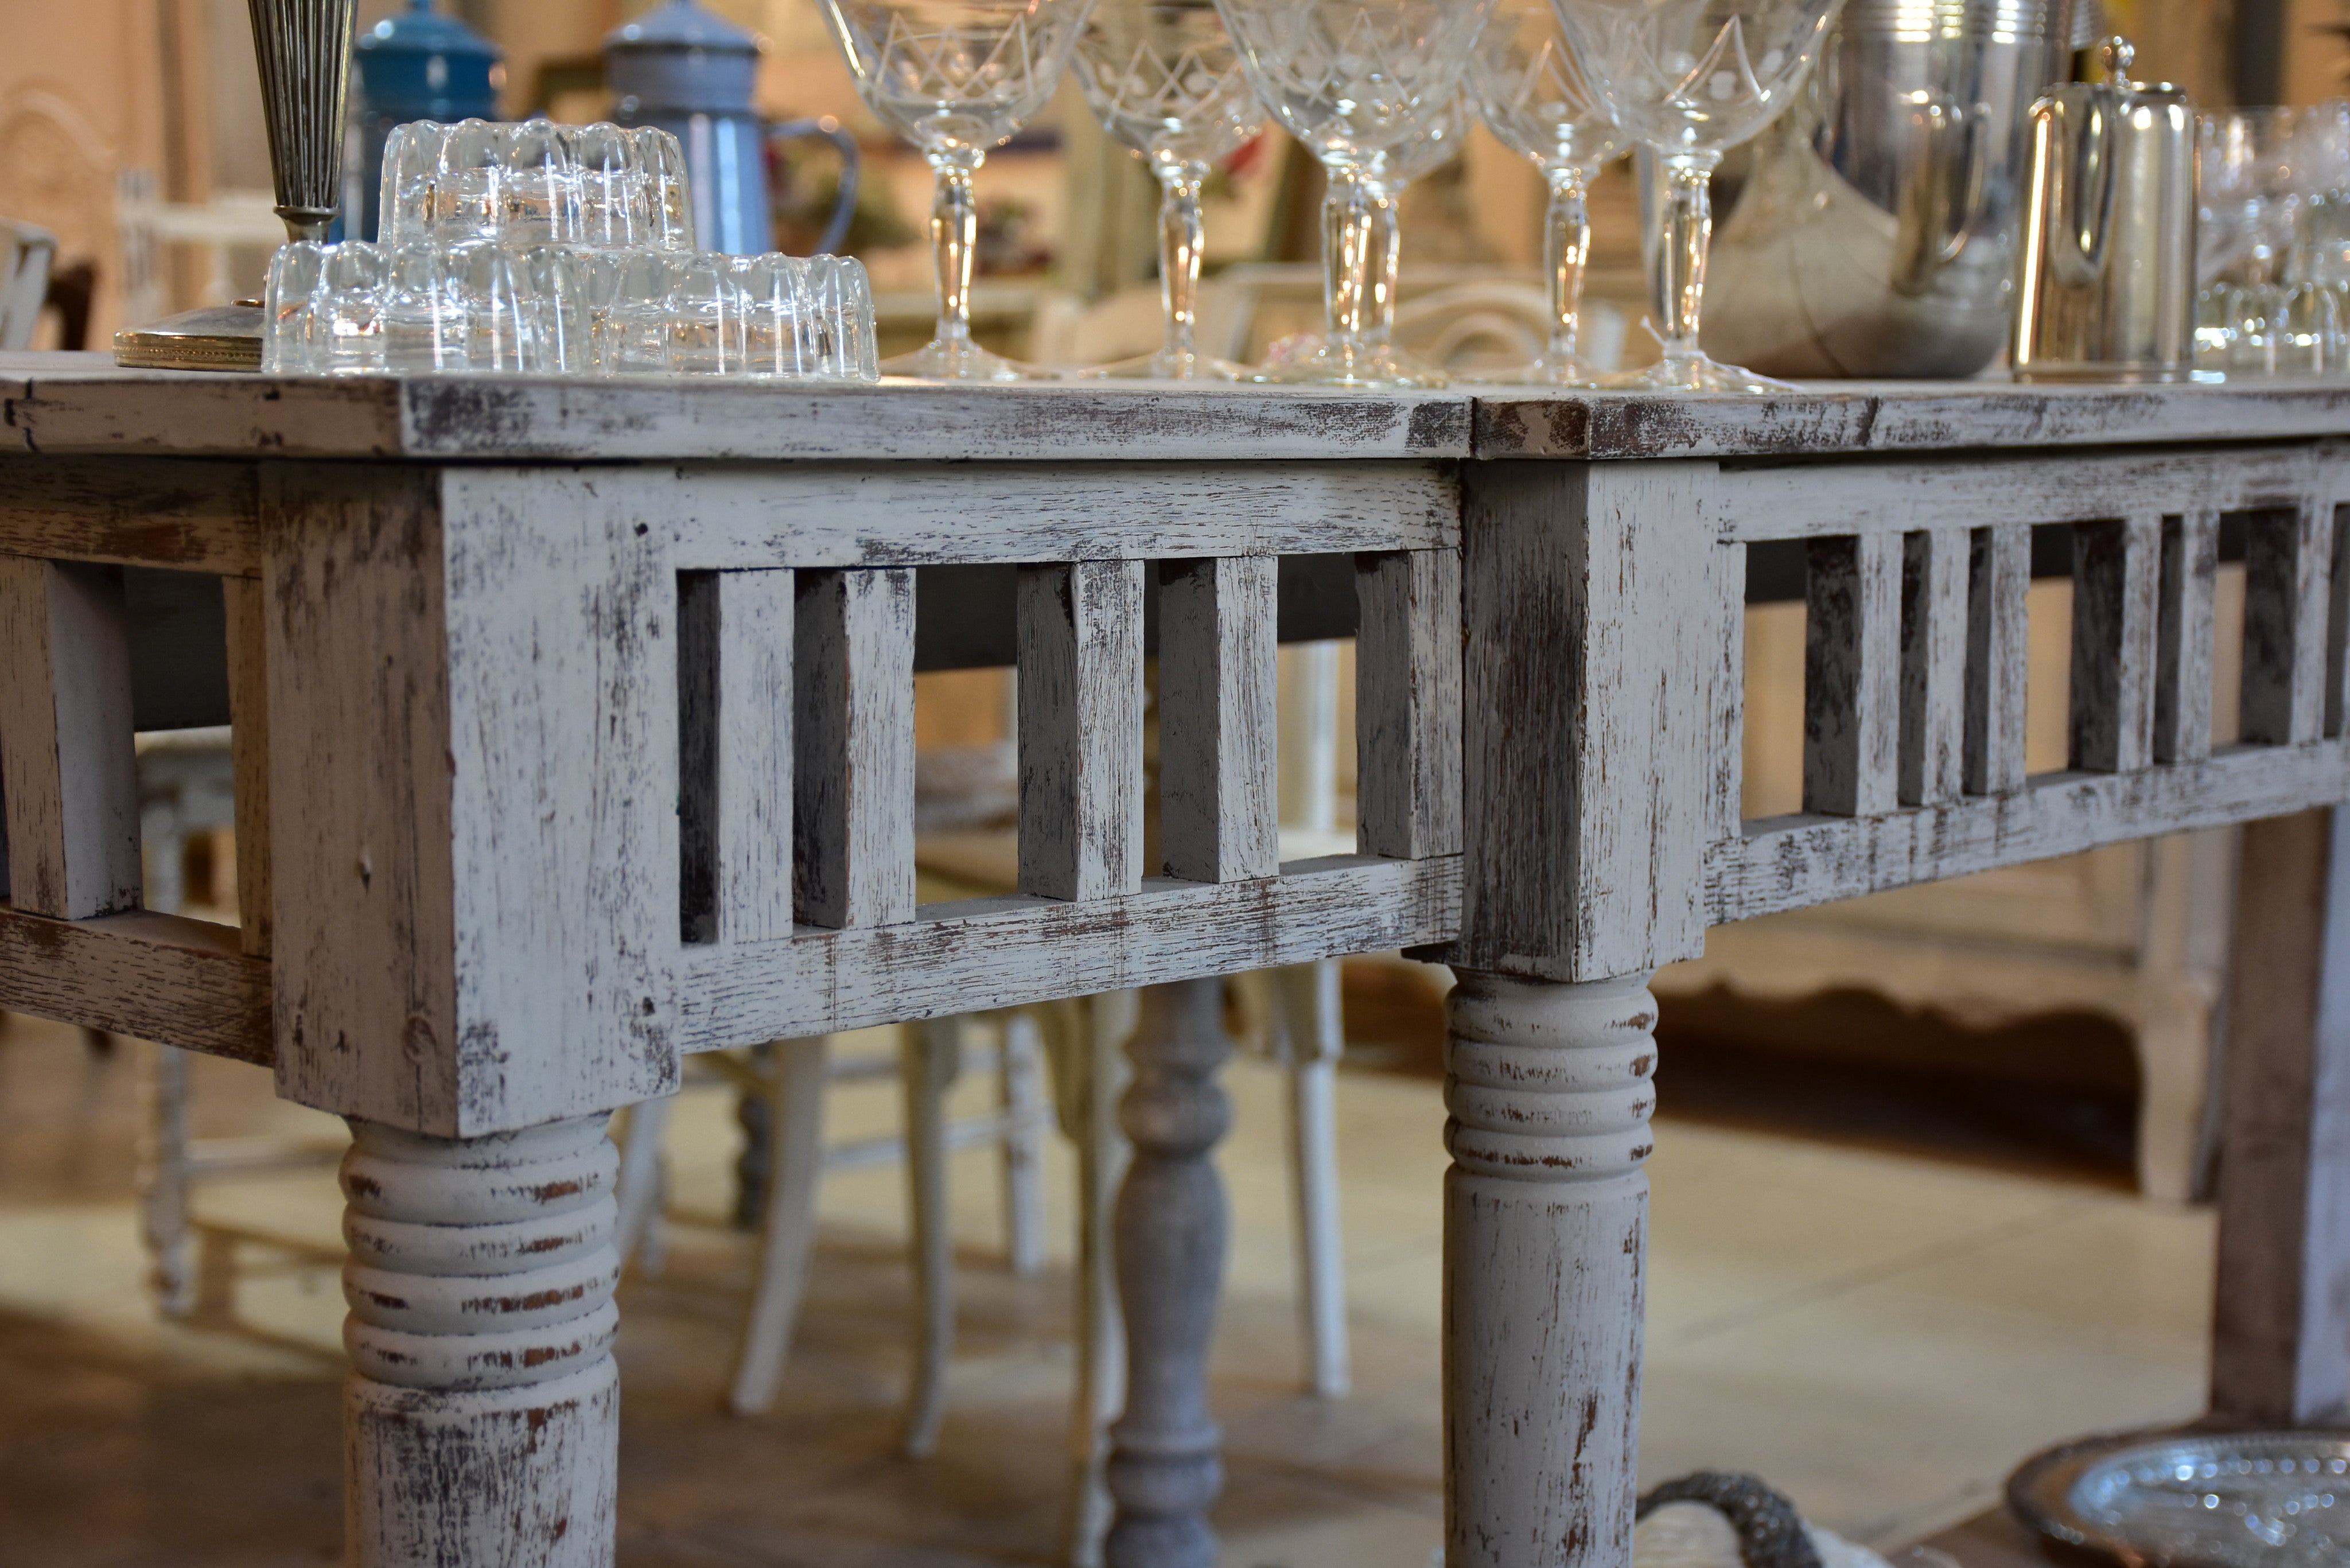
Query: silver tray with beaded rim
2194, 1498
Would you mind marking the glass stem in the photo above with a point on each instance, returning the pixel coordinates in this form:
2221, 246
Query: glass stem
1677, 269
1181, 236
1386, 255
1349, 222
1566, 248
954, 240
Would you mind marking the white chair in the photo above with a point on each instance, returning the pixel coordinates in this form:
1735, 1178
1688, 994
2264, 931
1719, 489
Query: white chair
27, 255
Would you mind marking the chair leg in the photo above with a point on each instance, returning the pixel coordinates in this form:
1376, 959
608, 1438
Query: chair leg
931, 1064
788, 1229
1021, 1085
641, 1184
1314, 1022
1089, 1095
165, 1179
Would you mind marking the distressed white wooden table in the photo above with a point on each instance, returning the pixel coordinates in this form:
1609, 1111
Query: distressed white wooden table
573, 733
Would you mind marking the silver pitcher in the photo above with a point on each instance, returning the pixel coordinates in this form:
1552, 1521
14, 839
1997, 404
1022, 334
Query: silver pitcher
1876, 235
2105, 286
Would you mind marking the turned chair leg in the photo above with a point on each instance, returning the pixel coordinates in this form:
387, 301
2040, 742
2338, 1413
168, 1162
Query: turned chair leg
166, 1178
481, 1414
1549, 1089
1313, 1023
794, 1172
1022, 1094
1166, 1465
933, 1050
642, 1145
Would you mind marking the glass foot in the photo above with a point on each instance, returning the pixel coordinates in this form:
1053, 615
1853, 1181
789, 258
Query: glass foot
1694, 373
941, 360
1167, 365
1309, 363
1550, 370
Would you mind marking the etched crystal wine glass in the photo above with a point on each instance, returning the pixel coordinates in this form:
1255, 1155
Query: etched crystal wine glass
1165, 81
1692, 78
957, 78
1534, 96
1353, 80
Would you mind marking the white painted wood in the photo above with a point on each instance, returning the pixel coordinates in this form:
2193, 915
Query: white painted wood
1934, 567
1219, 806
2183, 637
481, 1416
1408, 703
1594, 610
1998, 657
1309, 734
2287, 567
1311, 1018
933, 1059
248, 698
1087, 1042
985, 953
1549, 1089
1725, 776
2281, 1335
166, 1182
152, 977
1166, 1468
795, 1164
1080, 640
853, 788
1021, 1096
68, 774
735, 699
2117, 582
636, 1231
1852, 675
1786, 863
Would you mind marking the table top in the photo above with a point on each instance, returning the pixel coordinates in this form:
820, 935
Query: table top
83, 403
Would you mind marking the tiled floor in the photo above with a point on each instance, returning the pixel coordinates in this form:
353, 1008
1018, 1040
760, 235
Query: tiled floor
1881, 1335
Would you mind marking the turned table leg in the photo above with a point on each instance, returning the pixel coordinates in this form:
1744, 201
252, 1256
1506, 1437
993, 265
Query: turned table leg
481, 1414
1546, 1236
1164, 1466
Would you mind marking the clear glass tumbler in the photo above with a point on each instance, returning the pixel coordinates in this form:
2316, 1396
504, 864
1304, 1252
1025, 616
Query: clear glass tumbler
957, 78
1692, 78
1165, 81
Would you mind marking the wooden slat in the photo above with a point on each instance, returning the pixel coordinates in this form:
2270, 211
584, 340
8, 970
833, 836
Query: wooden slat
1999, 576
1933, 667
133, 511
1852, 675
163, 978
65, 752
2337, 617
735, 745
248, 699
1794, 863
853, 782
2183, 637
1081, 635
1726, 778
2281, 1328
2287, 554
1408, 703
1219, 812
996, 952
2117, 572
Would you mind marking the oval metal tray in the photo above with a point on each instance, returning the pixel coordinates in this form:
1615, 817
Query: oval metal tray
2194, 1498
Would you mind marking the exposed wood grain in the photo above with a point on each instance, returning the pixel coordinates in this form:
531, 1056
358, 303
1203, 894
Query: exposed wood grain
1408, 703
248, 697
2117, 576
1791, 863
141, 511
981, 954
1934, 568
2183, 637
1219, 810
1593, 609
736, 636
1852, 675
1549, 1089
1080, 633
853, 787
71, 776
1998, 656
2281, 1330
163, 978
1725, 779
190, 414
2287, 567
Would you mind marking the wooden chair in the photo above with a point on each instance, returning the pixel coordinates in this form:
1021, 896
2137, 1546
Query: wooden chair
27, 256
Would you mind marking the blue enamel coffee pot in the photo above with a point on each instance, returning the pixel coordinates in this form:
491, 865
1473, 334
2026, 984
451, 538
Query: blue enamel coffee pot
417, 65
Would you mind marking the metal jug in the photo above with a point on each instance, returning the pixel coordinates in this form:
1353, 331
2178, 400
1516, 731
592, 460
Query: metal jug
2105, 286
693, 74
1875, 233
418, 64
